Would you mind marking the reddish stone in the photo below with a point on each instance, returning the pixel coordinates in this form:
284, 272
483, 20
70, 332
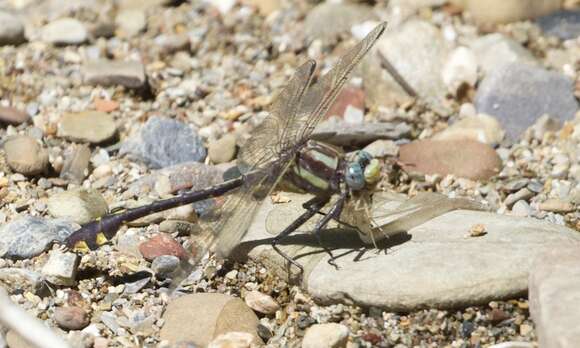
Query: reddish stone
71, 318
104, 105
349, 95
162, 244
463, 158
12, 116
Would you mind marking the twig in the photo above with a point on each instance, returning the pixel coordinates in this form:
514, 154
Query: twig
28, 327
395, 74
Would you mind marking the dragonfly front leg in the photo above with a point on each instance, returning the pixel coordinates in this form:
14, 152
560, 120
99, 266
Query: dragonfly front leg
333, 214
312, 208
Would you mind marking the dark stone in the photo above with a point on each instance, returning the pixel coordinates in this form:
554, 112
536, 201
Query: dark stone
562, 24
467, 328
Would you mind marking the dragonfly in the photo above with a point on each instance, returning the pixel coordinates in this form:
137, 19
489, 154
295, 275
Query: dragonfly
278, 149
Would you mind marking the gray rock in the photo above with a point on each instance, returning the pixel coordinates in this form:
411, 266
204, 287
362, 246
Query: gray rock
61, 268
25, 155
30, 236
434, 265
564, 24
518, 94
11, 29
496, 50
136, 286
88, 126
80, 206
347, 134
76, 164
555, 296
418, 52
330, 335
18, 280
130, 74
329, 20
165, 264
165, 142
64, 31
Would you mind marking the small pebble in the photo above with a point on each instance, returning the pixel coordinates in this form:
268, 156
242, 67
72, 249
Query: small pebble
165, 264
222, 150
161, 244
10, 115
261, 303
25, 155
80, 206
71, 318
329, 335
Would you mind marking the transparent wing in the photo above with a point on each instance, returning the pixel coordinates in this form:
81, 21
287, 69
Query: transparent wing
265, 144
300, 107
229, 223
319, 98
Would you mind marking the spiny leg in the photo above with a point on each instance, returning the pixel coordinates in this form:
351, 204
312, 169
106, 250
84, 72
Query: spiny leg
312, 207
333, 214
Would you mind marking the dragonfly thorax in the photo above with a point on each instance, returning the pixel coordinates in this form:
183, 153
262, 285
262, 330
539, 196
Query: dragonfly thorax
321, 168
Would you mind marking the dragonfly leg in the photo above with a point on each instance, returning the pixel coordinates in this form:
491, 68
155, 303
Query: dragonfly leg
314, 205
333, 214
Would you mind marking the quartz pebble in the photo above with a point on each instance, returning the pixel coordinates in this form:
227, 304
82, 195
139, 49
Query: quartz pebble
329, 335
222, 150
64, 31
61, 268
80, 206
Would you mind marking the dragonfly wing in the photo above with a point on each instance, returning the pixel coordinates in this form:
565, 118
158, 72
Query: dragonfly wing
319, 98
269, 138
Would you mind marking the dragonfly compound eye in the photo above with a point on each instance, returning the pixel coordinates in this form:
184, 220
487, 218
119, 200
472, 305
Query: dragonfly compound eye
364, 157
355, 176
372, 172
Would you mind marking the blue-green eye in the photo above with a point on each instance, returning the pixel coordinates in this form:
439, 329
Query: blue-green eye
364, 157
354, 176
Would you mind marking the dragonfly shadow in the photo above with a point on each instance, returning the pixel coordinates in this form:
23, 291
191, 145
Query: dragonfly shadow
345, 240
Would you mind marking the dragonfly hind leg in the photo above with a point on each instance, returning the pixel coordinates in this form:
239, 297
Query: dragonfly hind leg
312, 208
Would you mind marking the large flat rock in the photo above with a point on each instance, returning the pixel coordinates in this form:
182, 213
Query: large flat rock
555, 296
436, 263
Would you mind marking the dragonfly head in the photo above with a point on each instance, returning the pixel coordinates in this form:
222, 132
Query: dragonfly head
362, 170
